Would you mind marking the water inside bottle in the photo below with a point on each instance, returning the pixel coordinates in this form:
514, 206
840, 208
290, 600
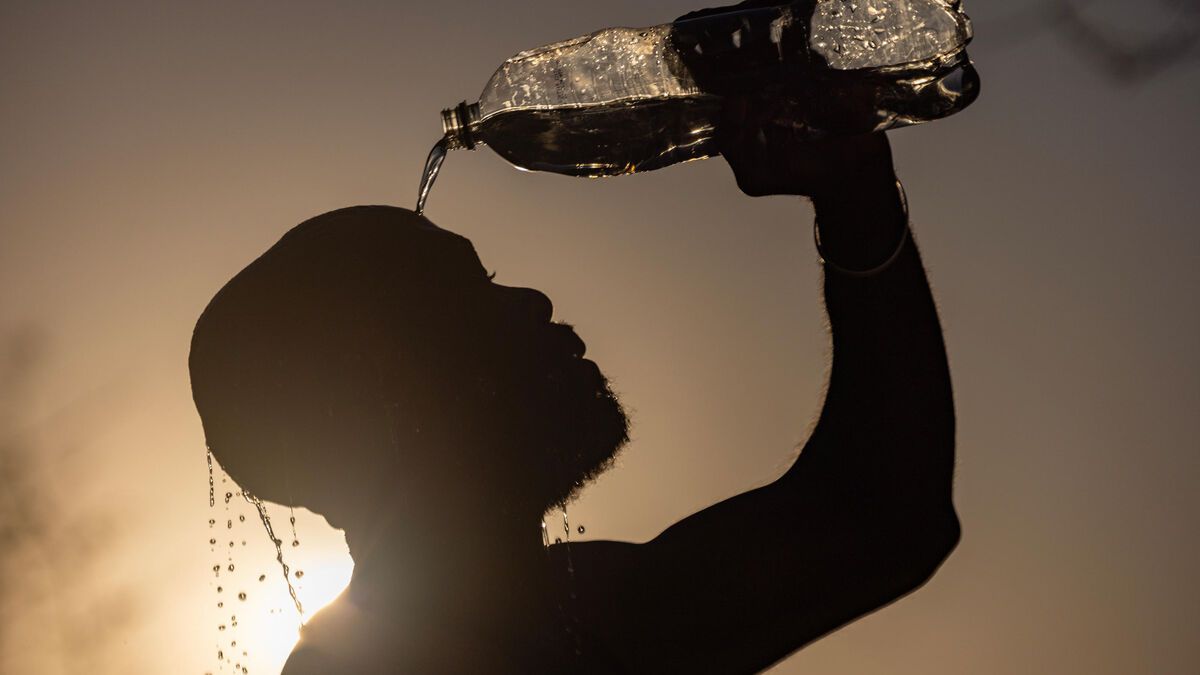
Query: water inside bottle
626, 100
596, 141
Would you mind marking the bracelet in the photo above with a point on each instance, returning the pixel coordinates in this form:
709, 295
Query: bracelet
904, 237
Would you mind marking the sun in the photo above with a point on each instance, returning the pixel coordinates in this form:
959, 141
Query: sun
257, 622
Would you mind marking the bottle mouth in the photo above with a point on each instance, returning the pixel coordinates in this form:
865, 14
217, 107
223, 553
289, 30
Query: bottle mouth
458, 123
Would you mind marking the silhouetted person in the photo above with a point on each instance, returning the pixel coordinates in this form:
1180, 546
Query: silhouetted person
367, 368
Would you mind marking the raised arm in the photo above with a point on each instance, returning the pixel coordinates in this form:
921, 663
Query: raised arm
864, 515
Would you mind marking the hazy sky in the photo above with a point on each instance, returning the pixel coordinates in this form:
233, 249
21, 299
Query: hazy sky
150, 150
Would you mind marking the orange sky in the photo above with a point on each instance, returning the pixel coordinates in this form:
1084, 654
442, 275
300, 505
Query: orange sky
150, 150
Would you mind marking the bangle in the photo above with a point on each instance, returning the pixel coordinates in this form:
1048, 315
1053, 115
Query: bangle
904, 236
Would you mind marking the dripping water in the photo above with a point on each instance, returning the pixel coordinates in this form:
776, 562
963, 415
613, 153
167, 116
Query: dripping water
292, 520
212, 496
433, 165
287, 575
572, 597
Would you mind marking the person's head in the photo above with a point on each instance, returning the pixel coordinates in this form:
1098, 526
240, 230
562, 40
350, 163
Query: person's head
367, 360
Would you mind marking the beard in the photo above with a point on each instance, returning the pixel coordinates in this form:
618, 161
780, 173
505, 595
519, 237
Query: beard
595, 430
574, 429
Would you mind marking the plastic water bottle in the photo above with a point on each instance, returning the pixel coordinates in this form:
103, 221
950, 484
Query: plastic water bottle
623, 100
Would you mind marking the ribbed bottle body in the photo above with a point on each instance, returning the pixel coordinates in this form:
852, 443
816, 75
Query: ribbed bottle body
623, 100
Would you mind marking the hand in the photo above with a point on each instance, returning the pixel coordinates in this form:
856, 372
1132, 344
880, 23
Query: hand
860, 213
769, 156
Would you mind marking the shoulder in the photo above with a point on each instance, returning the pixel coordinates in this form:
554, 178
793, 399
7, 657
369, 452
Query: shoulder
332, 640
308, 661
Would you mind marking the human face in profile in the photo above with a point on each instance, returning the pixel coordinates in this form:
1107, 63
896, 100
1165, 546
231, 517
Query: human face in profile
547, 412
371, 353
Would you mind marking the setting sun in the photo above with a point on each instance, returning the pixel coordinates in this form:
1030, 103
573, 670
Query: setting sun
253, 620
150, 152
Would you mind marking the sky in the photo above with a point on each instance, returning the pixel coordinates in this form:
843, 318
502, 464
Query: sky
149, 150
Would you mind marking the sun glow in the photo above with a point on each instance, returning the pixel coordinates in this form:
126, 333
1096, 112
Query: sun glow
256, 622
319, 575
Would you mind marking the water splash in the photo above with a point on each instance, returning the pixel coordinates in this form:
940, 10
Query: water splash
433, 165
287, 575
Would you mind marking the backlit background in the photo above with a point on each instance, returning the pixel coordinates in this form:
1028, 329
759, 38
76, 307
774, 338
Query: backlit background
149, 150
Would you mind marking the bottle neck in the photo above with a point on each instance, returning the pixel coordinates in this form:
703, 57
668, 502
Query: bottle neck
459, 124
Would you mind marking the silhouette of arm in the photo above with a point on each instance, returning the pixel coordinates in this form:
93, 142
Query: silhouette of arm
864, 515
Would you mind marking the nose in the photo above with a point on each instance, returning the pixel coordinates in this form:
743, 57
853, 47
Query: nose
533, 301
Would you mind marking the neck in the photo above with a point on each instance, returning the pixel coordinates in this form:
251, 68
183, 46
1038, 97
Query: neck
448, 566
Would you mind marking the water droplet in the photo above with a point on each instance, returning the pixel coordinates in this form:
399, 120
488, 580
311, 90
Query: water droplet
299, 574
212, 542
228, 496
242, 519
234, 644
581, 529
242, 595
216, 568
221, 627
558, 540
220, 605
220, 655
295, 542
262, 577
230, 567
212, 521
220, 589
229, 524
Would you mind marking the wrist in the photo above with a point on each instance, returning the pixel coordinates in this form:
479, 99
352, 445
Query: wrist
865, 189
862, 229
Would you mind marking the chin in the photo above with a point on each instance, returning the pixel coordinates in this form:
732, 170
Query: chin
590, 430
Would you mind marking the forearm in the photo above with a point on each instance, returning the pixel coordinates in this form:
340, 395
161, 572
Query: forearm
887, 426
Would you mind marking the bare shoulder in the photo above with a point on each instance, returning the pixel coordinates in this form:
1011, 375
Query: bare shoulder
339, 638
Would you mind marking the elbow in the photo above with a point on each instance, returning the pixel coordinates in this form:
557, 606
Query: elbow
927, 543
904, 553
